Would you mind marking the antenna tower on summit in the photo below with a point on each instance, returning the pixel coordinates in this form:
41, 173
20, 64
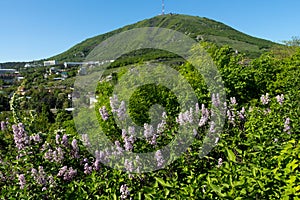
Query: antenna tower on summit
163, 7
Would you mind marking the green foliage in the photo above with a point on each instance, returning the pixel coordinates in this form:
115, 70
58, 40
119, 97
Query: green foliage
257, 156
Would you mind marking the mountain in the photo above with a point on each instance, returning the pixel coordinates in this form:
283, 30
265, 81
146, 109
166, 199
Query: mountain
196, 27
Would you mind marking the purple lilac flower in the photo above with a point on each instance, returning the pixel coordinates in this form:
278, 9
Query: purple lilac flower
85, 140
265, 99
220, 162
184, 118
204, 116
104, 114
215, 100
233, 101
67, 174
153, 139
231, 117
287, 126
58, 155
280, 99
148, 131
121, 112
212, 127
242, 114
62, 171
124, 192
64, 140
128, 145
3, 126
57, 137
39, 176
128, 165
75, 149
162, 125
159, 158
20, 136
96, 164
36, 138
120, 150
87, 169
197, 109
70, 174
22, 181
131, 130
114, 103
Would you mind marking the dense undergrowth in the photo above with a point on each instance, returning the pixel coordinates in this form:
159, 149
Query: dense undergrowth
257, 155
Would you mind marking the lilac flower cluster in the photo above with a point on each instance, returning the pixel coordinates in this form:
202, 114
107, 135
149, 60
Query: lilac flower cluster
39, 176
20, 136
220, 162
128, 139
280, 99
3, 126
287, 126
185, 118
124, 191
67, 174
85, 140
265, 99
35, 138
104, 114
55, 156
162, 125
75, 149
22, 181
216, 100
159, 158
204, 116
150, 134
117, 107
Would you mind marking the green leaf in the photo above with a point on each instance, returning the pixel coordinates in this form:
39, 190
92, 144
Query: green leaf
162, 182
231, 155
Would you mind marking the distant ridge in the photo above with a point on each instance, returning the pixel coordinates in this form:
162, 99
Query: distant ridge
196, 27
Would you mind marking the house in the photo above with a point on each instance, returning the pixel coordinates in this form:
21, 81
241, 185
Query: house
50, 63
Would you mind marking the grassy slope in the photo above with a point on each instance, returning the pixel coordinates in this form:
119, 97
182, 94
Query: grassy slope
207, 29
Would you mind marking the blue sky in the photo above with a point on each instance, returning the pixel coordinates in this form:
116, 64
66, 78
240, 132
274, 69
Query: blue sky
36, 29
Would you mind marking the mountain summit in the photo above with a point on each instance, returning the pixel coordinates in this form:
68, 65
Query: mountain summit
198, 28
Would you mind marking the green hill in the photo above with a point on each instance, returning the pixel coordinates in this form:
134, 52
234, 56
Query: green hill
201, 29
